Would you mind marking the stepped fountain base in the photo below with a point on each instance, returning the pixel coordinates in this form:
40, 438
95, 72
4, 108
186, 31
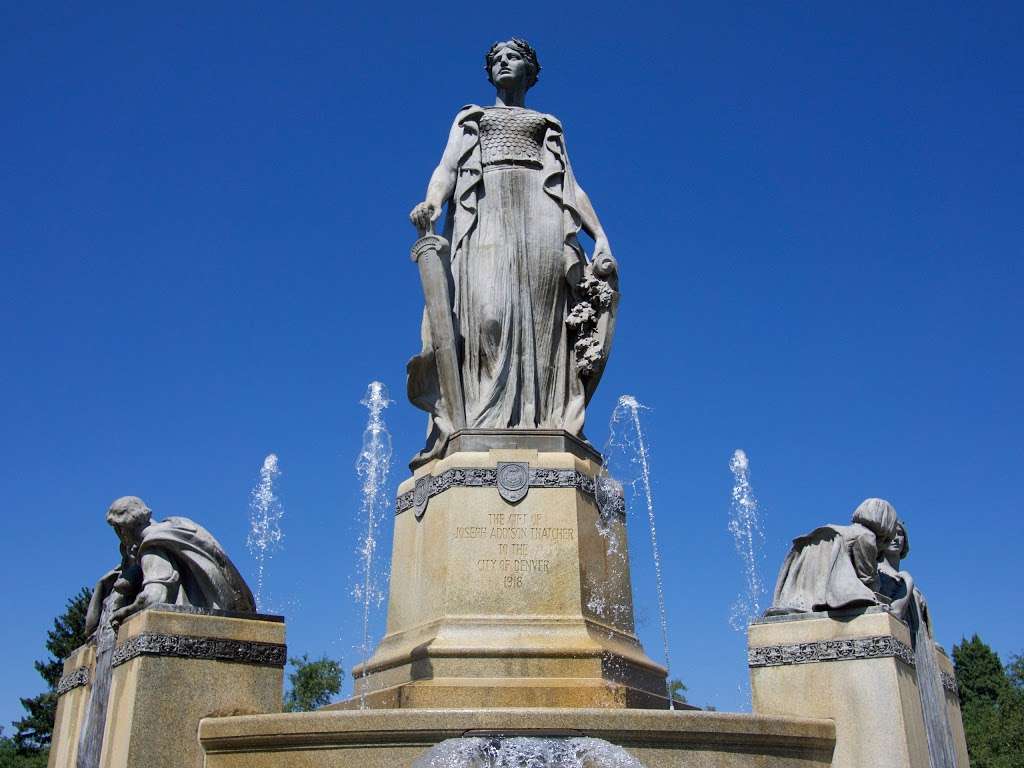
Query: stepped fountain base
372, 738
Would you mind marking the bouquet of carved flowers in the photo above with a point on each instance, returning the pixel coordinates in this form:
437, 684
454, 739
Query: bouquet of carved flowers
595, 297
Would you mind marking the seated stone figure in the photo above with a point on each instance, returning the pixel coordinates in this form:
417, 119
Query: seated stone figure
174, 561
836, 566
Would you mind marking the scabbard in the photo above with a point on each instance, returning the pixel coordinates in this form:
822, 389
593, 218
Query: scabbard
430, 253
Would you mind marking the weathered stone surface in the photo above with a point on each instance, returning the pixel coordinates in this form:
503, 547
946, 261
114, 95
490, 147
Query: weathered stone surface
509, 603
395, 738
157, 700
956, 723
870, 692
932, 681
71, 706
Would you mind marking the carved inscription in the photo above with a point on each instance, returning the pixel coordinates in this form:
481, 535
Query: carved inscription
515, 547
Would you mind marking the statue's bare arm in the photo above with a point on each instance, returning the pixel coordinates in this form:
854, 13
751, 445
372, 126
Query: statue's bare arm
160, 577
604, 262
442, 183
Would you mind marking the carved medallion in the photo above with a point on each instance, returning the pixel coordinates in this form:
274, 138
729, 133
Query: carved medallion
421, 495
513, 479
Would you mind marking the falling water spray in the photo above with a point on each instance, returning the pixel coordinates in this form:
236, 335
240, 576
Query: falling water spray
372, 467
265, 513
748, 537
625, 416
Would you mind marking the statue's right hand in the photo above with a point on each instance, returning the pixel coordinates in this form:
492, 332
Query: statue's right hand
423, 215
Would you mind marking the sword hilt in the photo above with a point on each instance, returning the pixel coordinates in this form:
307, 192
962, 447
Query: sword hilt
427, 244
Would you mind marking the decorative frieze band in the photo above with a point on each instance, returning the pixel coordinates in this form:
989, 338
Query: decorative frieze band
211, 648
73, 680
949, 683
875, 647
508, 478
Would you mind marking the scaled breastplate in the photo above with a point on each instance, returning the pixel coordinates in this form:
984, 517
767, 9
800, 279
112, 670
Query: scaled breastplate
511, 136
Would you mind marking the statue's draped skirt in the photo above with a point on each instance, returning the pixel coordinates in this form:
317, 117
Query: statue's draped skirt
514, 254
511, 297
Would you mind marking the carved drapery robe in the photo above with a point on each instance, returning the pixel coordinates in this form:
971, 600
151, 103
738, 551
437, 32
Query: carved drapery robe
832, 567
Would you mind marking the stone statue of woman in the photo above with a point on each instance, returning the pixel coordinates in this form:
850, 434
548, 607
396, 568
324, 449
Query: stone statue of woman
533, 318
909, 604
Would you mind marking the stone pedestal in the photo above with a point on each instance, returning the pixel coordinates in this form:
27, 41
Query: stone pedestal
73, 692
171, 668
854, 668
503, 591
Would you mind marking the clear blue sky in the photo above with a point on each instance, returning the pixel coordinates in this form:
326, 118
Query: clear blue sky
817, 210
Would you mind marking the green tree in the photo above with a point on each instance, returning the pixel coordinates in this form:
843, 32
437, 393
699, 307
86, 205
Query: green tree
992, 704
36, 729
677, 689
10, 757
979, 672
312, 683
1015, 671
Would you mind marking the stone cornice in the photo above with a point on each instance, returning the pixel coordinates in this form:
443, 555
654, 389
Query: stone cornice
209, 648
429, 486
72, 680
874, 647
949, 683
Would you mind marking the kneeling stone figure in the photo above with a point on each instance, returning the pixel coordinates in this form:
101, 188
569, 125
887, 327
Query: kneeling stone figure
174, 561
836, 566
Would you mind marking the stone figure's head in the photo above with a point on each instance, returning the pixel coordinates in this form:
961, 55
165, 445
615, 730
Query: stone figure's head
510, 63
878, 515
129, 516
900, 544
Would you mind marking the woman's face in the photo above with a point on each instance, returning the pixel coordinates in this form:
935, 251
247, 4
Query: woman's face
508, 67
896, 543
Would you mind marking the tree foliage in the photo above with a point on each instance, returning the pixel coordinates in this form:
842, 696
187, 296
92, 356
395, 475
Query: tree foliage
677, 688
35, 730
11, 757
992, 704
313, 683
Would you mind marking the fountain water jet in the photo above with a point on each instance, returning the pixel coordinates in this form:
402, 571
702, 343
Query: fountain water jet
747, 531
372, 468
265, 513
626, 415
